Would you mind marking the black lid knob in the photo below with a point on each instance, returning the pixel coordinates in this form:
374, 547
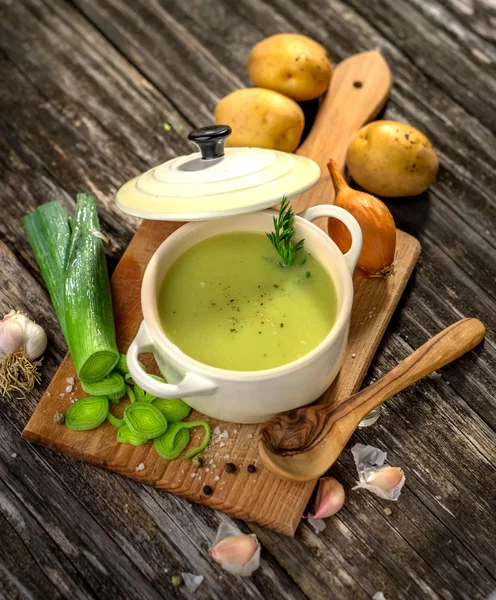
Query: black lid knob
210, 140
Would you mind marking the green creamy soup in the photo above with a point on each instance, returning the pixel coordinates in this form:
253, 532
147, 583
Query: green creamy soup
228, 303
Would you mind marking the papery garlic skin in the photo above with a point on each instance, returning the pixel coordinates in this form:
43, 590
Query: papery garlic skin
17, 332
236, 552
330, 498
382, 480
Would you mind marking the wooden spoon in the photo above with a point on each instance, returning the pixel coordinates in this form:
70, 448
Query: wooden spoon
303, 443
359, 89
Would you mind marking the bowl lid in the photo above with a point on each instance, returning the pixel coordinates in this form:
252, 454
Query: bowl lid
216, 182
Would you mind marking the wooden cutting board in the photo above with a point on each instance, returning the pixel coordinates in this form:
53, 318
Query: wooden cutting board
259, 496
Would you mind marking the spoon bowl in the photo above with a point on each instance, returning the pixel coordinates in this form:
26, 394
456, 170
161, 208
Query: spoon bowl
303, 443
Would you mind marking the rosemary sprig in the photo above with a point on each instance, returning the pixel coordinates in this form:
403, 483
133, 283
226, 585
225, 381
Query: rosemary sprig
281, 237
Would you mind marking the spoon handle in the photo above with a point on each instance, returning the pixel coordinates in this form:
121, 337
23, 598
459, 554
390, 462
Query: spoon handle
437, 352
359, 89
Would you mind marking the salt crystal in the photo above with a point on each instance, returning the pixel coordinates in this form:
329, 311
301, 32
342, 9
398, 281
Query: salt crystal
216, 478
70, 380
14, 455
235, 430
140, 467
250, 435
61, 395
48, 394
207, 469
224, 434
353, 355
194, 475
221, 444
211, 461
217, 430
68, 389
227, 456
216, 454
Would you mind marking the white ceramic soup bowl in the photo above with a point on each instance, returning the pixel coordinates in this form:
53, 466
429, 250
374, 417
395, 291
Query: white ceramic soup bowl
247, 396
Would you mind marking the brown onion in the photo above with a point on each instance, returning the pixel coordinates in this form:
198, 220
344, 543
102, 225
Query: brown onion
375, 220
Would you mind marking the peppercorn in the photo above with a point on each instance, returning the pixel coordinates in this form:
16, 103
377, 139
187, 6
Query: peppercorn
230, 467
176, 580
252, 469
207, 490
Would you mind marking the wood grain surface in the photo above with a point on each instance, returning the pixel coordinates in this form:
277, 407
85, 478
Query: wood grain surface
86, 89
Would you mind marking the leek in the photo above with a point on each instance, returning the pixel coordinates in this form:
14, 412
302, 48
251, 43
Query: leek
49, 234
113, 420
113, 384
121, 366
130, 394
87, 413
171, 443
75, 272
173, 409
142, 396
126, 436
145, 420
89, 321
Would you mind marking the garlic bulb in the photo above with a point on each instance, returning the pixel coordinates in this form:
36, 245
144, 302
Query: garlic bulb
17, 332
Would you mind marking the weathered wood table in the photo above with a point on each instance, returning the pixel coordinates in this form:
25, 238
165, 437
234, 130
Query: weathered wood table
87, 87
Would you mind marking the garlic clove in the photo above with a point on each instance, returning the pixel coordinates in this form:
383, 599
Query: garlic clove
11, 336
376, 476
386, 479
36, 340
330, 498
237, 553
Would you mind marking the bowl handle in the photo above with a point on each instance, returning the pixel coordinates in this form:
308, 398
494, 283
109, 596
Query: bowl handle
190, 385
336, 212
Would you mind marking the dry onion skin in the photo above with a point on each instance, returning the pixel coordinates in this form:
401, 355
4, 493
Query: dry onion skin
376, 223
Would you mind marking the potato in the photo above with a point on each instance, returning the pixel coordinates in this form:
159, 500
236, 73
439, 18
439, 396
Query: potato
292, 64
261, 118
388, 158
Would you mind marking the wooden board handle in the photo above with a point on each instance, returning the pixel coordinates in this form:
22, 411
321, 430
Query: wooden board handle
359, 88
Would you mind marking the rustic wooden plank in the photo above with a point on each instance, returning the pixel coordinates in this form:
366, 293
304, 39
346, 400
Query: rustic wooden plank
442, 291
